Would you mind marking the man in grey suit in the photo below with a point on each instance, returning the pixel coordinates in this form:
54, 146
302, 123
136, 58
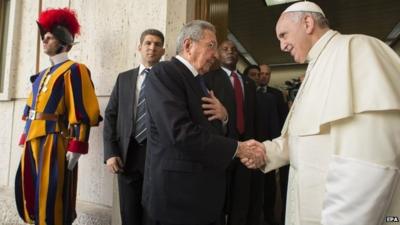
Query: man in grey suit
124, 128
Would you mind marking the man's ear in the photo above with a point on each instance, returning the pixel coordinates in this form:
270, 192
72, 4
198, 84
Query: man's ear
139, 47
68, 48
309, 24
187, 44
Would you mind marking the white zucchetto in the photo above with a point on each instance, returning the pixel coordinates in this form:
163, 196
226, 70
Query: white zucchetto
304, 6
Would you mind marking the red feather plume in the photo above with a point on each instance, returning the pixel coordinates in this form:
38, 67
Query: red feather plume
64, 17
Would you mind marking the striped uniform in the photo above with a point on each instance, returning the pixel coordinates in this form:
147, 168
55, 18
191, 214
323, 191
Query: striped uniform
45, 189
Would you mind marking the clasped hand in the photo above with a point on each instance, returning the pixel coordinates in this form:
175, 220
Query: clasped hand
213, 108
251, 154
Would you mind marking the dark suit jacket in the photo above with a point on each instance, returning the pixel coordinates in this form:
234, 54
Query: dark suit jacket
119, 122
271, 114
186, 155
238, 200
219, 82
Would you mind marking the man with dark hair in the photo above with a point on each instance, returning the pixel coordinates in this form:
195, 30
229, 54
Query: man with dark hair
124, 128
252, 71
59, 113
152, 32
186, 153
237, 94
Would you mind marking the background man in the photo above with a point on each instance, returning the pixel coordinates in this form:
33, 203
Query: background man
237, 94
252, 71
186, 153
342, 171
270, 116
263, 86
124, 128
59, 113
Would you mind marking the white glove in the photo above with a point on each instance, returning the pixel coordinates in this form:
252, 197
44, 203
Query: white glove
72, 159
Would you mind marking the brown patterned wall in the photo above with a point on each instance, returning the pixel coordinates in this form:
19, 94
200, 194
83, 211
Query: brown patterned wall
215, 12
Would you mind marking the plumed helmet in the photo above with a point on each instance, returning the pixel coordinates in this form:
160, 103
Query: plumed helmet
61, 22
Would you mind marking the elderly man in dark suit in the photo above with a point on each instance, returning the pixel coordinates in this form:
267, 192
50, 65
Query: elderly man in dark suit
186, 153
237, 94
125, 131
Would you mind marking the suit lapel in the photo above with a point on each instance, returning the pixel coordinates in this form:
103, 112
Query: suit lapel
246, 87
227, 81
187, 74
132, 91
190, 79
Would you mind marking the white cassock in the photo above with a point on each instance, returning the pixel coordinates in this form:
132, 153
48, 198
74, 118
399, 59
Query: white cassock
342, 135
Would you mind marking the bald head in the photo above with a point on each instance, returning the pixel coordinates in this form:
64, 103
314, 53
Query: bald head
264, 75
297, 32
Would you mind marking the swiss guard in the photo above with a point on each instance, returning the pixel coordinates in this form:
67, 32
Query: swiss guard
59, 112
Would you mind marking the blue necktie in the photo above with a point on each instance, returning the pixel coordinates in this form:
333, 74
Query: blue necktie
203, 86
140, 123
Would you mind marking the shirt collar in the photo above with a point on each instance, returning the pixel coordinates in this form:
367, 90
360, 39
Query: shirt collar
59, 58
228, 71
263, 88
141, 68
187, 64
317, 48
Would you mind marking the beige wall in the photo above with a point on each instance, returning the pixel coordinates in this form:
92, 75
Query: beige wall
283, 73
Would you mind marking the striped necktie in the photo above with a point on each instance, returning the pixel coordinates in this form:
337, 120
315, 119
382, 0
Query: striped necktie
140, 124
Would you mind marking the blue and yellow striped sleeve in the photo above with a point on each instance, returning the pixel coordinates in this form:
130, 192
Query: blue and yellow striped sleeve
82, 107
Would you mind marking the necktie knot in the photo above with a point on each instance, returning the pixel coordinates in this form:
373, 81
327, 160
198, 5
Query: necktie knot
263, 89
234, 74
146, 71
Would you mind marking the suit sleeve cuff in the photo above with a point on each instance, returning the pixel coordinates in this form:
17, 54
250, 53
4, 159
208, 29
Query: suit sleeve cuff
236, 151
225, 121
78, 146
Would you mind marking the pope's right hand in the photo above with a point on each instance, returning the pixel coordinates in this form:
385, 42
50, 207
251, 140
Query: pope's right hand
115, 165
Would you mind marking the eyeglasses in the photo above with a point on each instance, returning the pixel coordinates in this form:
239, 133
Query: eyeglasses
210, 45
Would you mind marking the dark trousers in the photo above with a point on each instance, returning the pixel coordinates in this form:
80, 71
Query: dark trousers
130, 184
130, 196
269, 197
283, 178
245, 195
270, 193
239, 183
256, 198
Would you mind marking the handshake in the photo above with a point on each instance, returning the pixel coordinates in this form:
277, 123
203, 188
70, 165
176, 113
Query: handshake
251, 154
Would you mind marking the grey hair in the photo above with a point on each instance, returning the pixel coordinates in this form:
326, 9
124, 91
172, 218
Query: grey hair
321, 20
194, 31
